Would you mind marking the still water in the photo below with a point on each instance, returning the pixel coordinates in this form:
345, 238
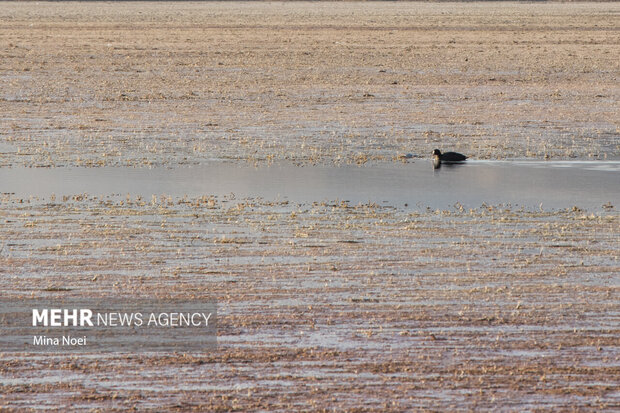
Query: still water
530, 184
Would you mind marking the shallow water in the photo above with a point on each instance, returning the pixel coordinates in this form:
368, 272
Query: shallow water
529, 184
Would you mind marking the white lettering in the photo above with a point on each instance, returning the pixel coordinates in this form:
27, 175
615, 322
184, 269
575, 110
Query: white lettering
85, 316
45, 341
184, 319
55, 317
73, 316
102, 319
73, 341
39, 317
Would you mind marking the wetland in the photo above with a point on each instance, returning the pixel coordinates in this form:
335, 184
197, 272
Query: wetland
255, 155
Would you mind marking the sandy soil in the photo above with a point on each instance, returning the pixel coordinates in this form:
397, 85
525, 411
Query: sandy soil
142, 83
322, 305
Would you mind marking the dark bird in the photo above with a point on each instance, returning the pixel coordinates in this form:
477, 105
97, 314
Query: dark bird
447, 158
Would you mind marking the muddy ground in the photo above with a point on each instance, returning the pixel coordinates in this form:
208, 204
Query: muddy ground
162, 83
328, 305
322, 305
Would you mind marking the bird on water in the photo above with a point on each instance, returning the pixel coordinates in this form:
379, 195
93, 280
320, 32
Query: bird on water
447, 158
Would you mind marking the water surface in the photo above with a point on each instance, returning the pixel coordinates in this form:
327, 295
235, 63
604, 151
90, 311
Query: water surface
531, 184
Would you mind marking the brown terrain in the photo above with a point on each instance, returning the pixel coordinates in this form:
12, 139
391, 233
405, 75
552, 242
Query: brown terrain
326, 305
162, 83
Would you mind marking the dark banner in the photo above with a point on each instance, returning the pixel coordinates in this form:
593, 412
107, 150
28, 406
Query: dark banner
110, 325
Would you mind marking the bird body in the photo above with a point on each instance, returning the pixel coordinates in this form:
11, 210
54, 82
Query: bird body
448, 158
